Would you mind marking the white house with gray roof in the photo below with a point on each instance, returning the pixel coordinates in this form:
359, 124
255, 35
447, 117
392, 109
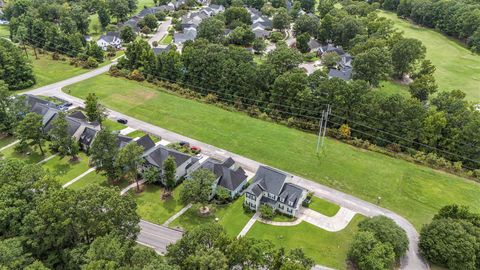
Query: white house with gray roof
110, 39
228, 175
272, 187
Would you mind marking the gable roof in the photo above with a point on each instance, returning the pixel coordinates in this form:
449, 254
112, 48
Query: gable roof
344, 74
78, 115
159, 50
146, 142
123, 140
227, 176
313, 44
269, 180
87, 136
158, 154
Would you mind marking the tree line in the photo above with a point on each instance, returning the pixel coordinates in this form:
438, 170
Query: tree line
459, 19
446, 125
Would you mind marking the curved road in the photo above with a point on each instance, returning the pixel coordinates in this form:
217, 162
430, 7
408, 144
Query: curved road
412, 260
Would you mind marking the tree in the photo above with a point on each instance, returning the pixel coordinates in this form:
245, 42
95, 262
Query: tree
103, 16
127, 34
198, 189
281, 20
236, 15
95, 111
222, 194
373, 66
451, 243
151, 174
306, 24
13, 254
211, 29
103, 152
367, 253
16, 70
241, 36
12, 109
118, 9
330, 59
266, 211
422, 87
386, 231
259, 45
112, 250
302, 42
128, 161
308, 5
169, 172
30, 131
325, 6
93, 50
62, 142
283, 59
150, 21
405, 54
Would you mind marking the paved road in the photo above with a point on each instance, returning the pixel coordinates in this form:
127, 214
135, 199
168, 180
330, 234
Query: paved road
156, 236
412, 261
161, 31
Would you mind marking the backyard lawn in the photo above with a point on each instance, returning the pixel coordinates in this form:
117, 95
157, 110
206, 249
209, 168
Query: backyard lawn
32, 156
151, 207
457, 67
324, 207
92, 178
413, 191
64, 170
6, 140
230, 216
326, 248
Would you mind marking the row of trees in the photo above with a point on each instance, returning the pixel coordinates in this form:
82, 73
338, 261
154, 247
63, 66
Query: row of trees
460, 19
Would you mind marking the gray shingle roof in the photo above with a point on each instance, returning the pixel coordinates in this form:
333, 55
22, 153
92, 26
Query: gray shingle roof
78, 115
146, 142
344, 74
87, 136
269, 179
122, 140
229, 177
158, 154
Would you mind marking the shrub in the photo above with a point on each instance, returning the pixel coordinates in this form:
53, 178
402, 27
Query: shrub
211, 98
223, 195
91, 63
275, 37
367, 253
136, 75
344, 131
267, 212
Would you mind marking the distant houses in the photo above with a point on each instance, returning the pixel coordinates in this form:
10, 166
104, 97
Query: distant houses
272, 187
190, 22
343, 69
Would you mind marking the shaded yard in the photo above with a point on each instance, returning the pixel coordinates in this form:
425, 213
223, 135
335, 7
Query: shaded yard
64, 169
32, 155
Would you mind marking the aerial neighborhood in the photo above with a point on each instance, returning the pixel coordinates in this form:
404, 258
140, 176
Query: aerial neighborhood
239, 134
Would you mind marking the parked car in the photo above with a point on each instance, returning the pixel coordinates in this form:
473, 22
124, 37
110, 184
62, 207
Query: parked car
184, 143
196, 149
122, 121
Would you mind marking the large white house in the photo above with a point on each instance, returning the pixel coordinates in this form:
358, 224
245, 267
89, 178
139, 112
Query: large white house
110, 39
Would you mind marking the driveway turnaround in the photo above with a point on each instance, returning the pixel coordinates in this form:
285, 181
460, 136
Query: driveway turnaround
412, 260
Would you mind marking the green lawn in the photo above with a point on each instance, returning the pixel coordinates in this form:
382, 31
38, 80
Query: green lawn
326, 248
230, 216
151, 207
6, 140
324, 207
31, 156
90, 179
413, 191
139, 133
65, 170
391, 87
283, 218
166, 40
113, 125
457, 67
144, 3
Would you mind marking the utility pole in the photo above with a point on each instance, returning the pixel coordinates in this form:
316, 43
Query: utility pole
320, 130
329, 110
323, 127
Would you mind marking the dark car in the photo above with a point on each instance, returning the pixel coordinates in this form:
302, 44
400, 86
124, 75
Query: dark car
184, 143
122, 121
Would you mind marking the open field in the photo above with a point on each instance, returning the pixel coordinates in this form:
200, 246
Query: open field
324, 207
457, 67
65, 170
413, 191
326, 248
230, 216
152, 208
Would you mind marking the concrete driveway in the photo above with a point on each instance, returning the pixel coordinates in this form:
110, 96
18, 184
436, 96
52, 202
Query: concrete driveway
162, 31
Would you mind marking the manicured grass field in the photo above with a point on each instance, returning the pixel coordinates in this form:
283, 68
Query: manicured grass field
457, 67
6, 140
413, 191
32, 156
5, 31
326, 248
230, 216
152, 208
324, 207
65, 170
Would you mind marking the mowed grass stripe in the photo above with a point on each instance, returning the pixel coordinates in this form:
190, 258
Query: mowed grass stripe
411, 190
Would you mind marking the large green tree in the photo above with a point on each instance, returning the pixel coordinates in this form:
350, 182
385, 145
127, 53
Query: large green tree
94, 110
373, 66
12, 109
62, 141
15, 69
211, 29
368, 253
281, 20
169, 172
30, 131
406, 52
128, 161
103, 152
199, 188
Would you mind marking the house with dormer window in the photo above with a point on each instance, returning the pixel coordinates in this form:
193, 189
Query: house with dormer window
274, 188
